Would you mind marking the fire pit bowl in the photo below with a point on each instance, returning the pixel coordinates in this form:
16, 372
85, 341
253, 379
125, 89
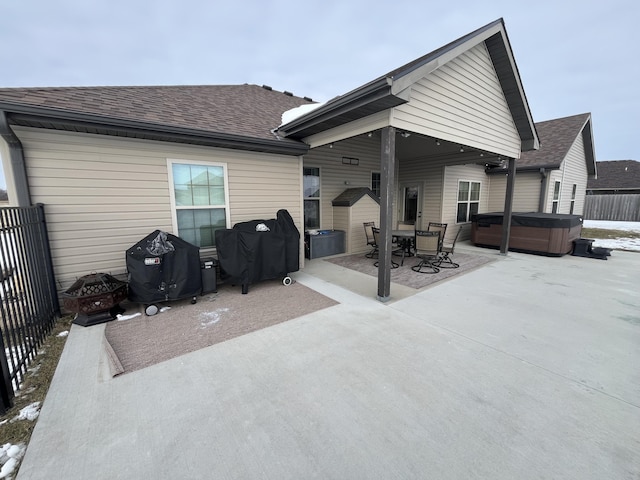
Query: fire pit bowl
94, 298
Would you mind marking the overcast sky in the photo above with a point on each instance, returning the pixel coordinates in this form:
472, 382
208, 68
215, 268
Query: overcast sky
573, 56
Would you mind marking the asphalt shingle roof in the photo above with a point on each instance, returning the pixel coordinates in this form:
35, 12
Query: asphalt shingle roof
617, 175
350, 196
556, 137
245, 110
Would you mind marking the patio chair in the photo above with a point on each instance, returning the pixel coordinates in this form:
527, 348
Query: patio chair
376, 235
438, 227
446, 252
371, 241
427, 249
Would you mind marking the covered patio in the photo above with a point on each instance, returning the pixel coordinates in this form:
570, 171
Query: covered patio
445, 117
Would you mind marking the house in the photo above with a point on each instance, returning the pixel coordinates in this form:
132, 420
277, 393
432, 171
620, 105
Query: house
616, 177
112, 164
552, 179
615, 193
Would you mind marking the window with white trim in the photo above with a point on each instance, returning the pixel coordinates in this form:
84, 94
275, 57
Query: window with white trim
556, 197
573, 198
311, 185
200, 199
468, 200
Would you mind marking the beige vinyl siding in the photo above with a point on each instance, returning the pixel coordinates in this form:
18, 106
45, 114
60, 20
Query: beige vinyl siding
342, 221
440, 189
526, 195
430, 175
575, 172
452, 175
334, 174
462, 102
103, 194
351, 219
357, 127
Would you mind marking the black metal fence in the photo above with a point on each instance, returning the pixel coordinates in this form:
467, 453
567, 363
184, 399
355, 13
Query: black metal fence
28, 297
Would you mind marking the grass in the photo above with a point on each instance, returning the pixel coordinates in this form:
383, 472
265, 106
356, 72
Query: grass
607, 234
34, 386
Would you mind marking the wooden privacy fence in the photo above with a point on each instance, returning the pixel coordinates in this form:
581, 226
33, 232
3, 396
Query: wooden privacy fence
28, 297
618, 208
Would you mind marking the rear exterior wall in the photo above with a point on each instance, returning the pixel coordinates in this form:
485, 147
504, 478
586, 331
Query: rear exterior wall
103, 194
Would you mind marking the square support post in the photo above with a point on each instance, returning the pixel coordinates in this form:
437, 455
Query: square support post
508, 207
387, 182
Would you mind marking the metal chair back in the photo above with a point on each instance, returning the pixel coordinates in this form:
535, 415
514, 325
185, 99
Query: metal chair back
427, 243
438, 227
368, 231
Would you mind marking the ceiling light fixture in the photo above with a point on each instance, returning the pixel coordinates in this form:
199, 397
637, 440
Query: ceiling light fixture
461, 149
405, 134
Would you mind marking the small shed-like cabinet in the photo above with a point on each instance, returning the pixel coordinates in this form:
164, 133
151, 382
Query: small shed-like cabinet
351, 209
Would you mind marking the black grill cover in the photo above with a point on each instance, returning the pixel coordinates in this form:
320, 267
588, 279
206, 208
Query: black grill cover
247, 255
163, 267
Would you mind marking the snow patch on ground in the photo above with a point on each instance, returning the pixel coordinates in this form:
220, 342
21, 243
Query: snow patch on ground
30, 412
210, 318
10, 456
623, 243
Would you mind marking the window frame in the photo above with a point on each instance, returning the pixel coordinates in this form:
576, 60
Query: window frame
172, 193
555, 199
373, 172
468, 202
572, 205
317, 199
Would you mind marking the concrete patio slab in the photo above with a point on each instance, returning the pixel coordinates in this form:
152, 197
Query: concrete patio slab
525, 368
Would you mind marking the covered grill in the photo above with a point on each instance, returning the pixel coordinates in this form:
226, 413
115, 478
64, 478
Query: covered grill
259, 250
163, 267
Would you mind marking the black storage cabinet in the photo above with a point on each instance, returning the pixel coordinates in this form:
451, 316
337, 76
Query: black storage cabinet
209, 267
247, 255
162, 267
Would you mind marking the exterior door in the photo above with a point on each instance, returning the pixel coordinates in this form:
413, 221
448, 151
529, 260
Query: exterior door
411, 203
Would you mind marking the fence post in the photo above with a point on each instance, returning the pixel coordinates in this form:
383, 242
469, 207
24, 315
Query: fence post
6, 389
48, 260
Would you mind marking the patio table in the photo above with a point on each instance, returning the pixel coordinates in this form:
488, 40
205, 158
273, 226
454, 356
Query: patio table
405, 240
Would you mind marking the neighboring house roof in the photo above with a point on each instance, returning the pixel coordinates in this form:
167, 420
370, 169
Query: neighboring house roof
391, 89
616, 175
234, 116
556, 139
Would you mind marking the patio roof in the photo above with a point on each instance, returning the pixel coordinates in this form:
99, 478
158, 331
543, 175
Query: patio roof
390, 90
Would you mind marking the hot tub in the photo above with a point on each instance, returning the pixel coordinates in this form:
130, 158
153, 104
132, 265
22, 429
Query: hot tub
540, 233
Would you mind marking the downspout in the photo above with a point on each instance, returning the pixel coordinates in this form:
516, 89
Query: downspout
544, 182
16, 156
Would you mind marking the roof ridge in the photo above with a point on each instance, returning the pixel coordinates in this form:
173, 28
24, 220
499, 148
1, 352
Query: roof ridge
585, 114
